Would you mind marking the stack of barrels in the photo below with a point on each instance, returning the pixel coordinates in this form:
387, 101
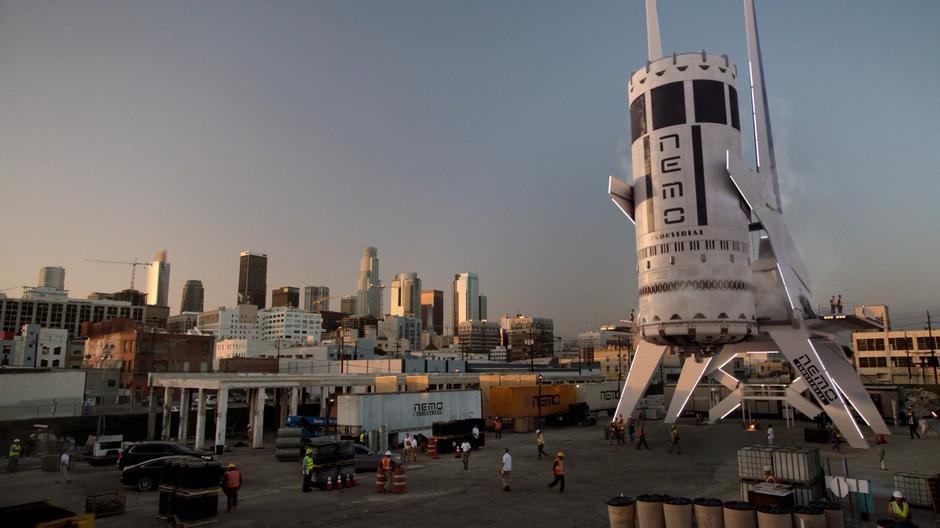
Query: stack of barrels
662, 511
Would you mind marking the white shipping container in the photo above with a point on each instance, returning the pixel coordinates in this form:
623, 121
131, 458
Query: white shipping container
599, 396
413, 412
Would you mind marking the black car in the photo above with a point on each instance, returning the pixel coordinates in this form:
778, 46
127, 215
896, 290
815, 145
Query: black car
145, 451
145, 476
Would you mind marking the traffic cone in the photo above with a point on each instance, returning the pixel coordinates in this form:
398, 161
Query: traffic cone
329, 484
339, 482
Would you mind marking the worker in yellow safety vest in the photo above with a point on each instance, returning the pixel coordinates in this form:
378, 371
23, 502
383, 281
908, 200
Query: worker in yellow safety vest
308, 469
16, 451
899, 508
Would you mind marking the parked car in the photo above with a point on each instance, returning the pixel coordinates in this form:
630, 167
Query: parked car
146, 475
137, 453
368, 460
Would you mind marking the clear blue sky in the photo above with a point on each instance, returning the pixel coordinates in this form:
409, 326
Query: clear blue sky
452, 135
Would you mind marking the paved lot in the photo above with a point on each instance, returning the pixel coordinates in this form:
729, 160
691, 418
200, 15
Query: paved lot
441, 492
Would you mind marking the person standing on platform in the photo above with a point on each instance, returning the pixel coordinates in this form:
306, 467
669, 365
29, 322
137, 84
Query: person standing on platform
497, 428
308, 469
465, 448
16, 451
912, 422
231, 483
641, 435
832, 305
540, 442
674, 434
505, 469
558, 470
839, 303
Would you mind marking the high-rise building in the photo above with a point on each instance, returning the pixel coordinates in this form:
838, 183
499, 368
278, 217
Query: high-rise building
406, 295
158, 280
478, 337
285, 296
369, 287
52, 277
316, 298
466, 298
528, 337
240, 322
395, 327
289, 326
482, 307
135, 297
349, 304
193, 297
252, 278
432, 311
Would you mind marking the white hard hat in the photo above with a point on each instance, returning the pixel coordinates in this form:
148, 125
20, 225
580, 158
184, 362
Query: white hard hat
768, 468
538, 430
16, 440
388, 453
897, 494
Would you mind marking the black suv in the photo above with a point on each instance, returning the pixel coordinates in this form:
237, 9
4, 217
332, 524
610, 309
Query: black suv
145, 451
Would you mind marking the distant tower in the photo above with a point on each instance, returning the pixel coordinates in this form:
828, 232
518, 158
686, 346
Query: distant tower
432, 310
369, 287
52, 277
316, 298
285, 296
406, 295
349, 304
482, 309
252, 278
158, 280
193, 296
466, 298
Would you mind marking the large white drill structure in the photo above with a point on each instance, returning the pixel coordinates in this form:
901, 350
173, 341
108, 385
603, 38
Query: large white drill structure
695, 204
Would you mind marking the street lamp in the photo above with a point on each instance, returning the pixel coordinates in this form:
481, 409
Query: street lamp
539, 379
529, 342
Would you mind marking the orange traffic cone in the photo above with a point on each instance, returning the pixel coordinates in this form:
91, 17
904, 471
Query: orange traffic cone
329, 484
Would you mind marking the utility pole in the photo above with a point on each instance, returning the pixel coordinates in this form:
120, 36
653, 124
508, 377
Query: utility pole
933, 352
619, 365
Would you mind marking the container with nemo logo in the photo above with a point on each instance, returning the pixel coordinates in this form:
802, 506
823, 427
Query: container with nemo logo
525, 401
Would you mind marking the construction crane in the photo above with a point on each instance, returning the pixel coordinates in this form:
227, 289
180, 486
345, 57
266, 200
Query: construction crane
133, 266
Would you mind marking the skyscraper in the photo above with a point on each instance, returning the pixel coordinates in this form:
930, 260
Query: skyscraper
349, 304
52, 277
193, 295
482, 309
432, 311
288, 296
369, 287
158, 280
466, 298
252, 278
406, 295
316, 298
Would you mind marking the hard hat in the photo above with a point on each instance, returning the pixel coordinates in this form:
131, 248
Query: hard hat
560, 455
388, 453
537, 431
897, 494
309, 450
16, 440
768, 468
231, 466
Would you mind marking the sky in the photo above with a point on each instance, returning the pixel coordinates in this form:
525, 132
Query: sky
452, 135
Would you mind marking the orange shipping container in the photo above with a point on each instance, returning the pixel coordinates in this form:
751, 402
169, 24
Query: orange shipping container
524, 401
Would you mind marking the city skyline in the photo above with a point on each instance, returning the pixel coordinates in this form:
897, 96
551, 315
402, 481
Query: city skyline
510, 183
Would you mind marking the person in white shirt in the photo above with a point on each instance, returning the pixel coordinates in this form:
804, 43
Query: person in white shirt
465, 454
505, 469
770, 435
64, 466
407, 449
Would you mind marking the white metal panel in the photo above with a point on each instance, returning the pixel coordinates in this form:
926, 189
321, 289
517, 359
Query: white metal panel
407, 411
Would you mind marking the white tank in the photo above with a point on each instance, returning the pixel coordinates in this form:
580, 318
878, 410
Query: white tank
693, 257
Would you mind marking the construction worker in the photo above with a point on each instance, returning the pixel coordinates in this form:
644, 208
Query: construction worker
770, 435
674, 434
231, 483
540, 442
16, 451
641, 435
631, 427
497, 428
769, 475
65, 466
899, 509
406, 450
465, 448
362, 437
558, 470
912, 422
308, 469
388, 467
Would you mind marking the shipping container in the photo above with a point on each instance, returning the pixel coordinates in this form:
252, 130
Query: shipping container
487, 381
525, 401
399, 412
600, 397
